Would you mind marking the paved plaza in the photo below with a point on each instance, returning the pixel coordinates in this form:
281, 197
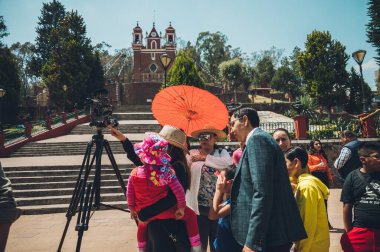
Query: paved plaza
110, 231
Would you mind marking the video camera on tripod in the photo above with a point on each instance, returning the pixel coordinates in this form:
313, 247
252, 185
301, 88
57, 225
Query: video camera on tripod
101, 110
86, 195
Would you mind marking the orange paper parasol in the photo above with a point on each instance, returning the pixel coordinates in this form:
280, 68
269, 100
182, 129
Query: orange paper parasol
189, 108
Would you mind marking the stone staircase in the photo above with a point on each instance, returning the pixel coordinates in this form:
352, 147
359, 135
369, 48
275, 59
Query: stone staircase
42, 189
127, 128
48, 189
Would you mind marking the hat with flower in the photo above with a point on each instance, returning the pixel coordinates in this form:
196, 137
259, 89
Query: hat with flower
153, 150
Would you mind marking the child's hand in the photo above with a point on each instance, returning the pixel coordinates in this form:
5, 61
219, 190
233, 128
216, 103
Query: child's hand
134, 214
196, 158
223, 185
179, 213
294, 186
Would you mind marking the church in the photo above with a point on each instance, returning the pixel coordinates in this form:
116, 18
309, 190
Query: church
148, 71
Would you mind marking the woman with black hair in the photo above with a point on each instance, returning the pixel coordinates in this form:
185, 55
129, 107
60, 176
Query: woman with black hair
164, 235
317, 163
283, 139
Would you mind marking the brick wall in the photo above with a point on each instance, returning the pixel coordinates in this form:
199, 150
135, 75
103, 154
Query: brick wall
137, 93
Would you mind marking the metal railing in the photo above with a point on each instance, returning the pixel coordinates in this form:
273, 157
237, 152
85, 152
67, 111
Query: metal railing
270, 127
16, 133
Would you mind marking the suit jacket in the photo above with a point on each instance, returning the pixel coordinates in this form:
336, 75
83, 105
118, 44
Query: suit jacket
264, 212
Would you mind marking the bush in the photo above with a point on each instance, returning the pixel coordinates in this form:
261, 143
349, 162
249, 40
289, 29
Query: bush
321, 134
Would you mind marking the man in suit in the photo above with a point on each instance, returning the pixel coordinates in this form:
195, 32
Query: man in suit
264, 213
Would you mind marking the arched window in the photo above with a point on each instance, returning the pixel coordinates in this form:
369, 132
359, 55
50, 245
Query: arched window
137, 38
153, 45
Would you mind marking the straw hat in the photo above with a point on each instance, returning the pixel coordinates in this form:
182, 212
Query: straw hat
220, 134
174, 136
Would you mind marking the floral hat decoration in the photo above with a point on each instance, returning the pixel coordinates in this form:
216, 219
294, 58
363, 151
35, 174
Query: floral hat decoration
153, 150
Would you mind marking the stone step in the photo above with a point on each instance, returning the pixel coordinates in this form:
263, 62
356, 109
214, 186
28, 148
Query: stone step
69, 148
54, 172
58, 191
65, 199
132, 108
130, 128
73, 177
61, 184
134, 116
62, 208
10, 169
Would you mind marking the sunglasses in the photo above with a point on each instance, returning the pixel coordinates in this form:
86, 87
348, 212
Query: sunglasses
205, 136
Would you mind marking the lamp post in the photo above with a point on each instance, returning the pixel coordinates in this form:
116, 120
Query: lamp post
359, 57
165, 61
2, 94
64, 96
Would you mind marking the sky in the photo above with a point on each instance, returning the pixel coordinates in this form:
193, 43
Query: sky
252, 25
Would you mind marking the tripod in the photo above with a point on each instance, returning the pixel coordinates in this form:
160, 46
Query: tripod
87, 194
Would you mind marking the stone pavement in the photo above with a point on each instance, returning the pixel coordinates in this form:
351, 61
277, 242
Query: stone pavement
110, 231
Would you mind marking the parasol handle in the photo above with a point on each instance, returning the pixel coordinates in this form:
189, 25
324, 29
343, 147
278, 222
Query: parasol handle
369, 115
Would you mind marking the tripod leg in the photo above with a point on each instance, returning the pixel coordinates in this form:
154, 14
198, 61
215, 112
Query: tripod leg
77, 190
114, 166
71, 212
84, 216
97, 178
85, 164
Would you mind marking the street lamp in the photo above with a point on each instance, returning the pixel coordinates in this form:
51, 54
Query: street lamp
2, 94
165, 61
64, 96
359, 57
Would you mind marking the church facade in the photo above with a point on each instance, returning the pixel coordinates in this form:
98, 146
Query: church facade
148, 72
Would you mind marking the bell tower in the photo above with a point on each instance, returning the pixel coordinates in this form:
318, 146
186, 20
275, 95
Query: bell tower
170, 37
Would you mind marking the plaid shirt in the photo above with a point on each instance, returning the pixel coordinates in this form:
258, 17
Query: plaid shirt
344, 156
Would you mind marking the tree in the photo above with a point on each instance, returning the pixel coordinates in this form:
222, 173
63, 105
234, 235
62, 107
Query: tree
9, 79
3, 31
286, 80
373, 26
212, 49
354, 104
263, 72
234, 72
24, 54
75, 64
273, 53
184, 71
48, 34
323, 67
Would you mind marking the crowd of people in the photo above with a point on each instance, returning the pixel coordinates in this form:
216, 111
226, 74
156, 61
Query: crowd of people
269, 196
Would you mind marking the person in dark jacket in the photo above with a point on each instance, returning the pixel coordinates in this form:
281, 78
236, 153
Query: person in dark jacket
348, 159
164, 235
264, 213
9, 213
